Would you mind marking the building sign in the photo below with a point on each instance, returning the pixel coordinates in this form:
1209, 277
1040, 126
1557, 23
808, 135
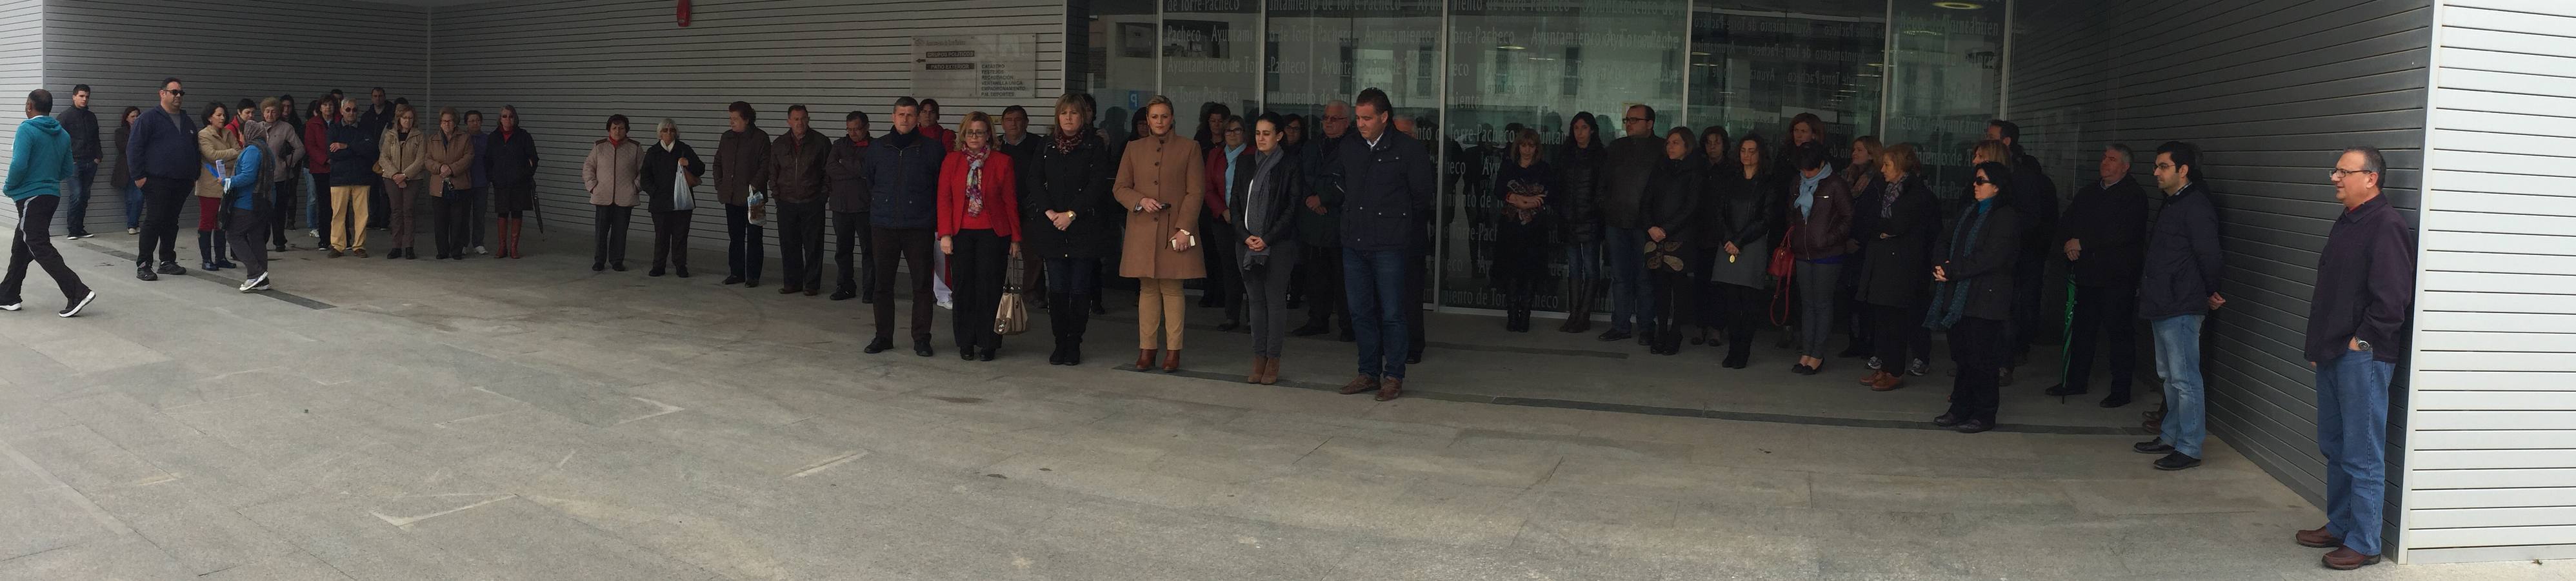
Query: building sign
1002, 66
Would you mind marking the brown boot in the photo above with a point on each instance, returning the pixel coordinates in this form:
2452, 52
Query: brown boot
1171, 360
1270, 374
2346, 559
1259, 363
1359, 384
2318, 538
1144, 359
1390, 388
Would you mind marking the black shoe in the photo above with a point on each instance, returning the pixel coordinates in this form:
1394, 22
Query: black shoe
172, 269
2116, 399
619, 266
844, 294
965, 354
2176, 461
1413, 359
987, 355
879, 346
74, 309
1229, 326
1974, 426
442, 255
145, 273
1346, 336
1852, 350
1613, 335
655, 272
683, 272
1056, 357
922, 348
1736, 361
594, 267
732, 280
1645, 339
409, 254
1945, 420
2004, 377
1073, 353
2155, 446
2063, 390
1312, 329
789, 290
753, 283
1097, 308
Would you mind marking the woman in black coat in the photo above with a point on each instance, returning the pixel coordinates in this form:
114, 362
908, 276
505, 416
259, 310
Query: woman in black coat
1671, 205
1523, 227
1714, 146
1062, 192
1270, 190
1972, 297
1578, 217
664, 163
1896, 226
1743, 202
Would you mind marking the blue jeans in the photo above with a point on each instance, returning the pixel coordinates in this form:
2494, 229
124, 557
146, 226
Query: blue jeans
76, 199
133, 205
2178, 364
1582, 260
1630, 292
2352, 431
1373, 280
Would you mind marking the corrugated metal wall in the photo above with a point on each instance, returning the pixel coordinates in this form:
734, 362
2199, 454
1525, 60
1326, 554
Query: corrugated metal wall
224, 51
568, 65
2272, 90
22, 68
2492, 473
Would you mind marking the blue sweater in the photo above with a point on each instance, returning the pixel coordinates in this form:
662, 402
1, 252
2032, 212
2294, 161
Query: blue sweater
41, 161
242, 186
164, 146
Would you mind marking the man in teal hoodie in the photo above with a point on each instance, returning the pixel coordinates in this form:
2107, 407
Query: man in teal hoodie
37, 168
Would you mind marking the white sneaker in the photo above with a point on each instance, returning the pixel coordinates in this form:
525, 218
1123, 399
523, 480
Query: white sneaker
255, 284
947, 305
131, 231
13, 306
480, 250
75, 308
315, 233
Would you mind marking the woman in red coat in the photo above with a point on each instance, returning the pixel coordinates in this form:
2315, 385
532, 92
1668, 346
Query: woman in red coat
979, 207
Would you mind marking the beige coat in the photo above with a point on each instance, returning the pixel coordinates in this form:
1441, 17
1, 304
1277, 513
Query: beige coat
614, 174
407, 157
214, 145
455, 151
1168, 170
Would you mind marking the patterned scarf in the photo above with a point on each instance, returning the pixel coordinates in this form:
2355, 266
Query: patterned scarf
1065, 141
1950, 299
1887, 198
975, 179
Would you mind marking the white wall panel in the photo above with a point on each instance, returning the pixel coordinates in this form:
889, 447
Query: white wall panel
569, 64
22, 68
2494, 432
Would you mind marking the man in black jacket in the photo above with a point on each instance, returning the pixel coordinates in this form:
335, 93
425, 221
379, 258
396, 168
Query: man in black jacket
2356, 337
2100, 236
2036, 197
83, 126
847, 169
1623, 232
2176, 290
1384, 185
1321, 232
902, 169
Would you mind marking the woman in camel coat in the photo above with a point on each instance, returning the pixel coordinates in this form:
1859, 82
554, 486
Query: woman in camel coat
1161, 183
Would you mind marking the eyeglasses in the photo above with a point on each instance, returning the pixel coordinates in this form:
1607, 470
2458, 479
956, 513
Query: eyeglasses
1982, 182
2338, 173
176, 92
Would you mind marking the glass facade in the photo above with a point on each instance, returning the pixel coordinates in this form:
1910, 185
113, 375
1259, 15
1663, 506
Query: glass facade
1463, 73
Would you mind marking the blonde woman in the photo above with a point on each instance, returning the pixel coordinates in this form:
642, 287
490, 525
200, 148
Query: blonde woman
1162, 183
400, 155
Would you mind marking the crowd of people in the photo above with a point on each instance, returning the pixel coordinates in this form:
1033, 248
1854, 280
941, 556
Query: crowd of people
1697, 229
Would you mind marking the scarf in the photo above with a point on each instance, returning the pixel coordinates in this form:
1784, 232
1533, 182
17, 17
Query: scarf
1887, 197
975, 179
1257, 196
1807, 189
1065, 141
1950, 298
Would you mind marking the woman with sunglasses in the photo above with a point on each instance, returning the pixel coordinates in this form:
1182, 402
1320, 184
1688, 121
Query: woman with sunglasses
1972, 297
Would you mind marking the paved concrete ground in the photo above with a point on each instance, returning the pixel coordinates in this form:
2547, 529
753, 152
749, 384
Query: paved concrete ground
528, 419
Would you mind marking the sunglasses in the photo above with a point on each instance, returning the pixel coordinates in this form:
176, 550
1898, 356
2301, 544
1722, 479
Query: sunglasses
1982, 181
176, 92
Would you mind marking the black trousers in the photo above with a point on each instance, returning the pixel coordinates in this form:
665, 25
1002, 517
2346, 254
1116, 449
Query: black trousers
671, 238
1323, 266
33, 242
1072, 282
2029, 320
157, 239
452, 218
1977, 347
1224, 281
610, 238
1897, 336
1853, 315
850, 229
1745, 309
1674, 292
800, 243
282, 211
910, 246
977, 262
2106, 313
743, 243
244, 229
377, 203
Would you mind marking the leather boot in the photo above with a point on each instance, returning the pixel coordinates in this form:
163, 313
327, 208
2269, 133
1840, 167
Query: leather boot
1258, 363
1270, 373
1579, 318
1171, 360
1144, 359
518, 238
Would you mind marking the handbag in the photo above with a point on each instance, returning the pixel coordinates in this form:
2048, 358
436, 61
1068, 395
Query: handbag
1011, 316
1784, 261
682, 199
